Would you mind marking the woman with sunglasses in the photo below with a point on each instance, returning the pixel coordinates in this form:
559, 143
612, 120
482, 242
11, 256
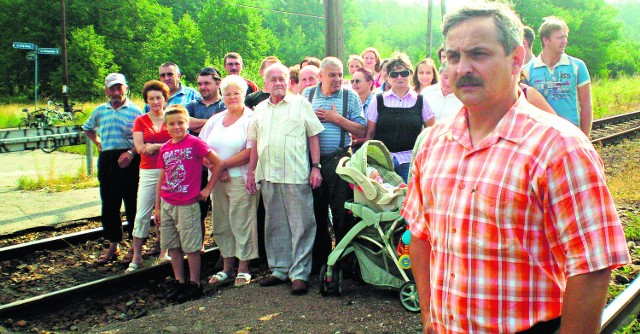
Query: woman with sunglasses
397, 117
362, 83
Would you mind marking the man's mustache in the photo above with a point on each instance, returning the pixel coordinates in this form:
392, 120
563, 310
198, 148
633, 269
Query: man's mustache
469, 80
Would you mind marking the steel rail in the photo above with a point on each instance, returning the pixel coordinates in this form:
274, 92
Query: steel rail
52, 243
622, 310
105, 286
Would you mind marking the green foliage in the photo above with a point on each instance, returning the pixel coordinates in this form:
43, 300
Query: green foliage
229, 27
136, 36
617, 96
87, 51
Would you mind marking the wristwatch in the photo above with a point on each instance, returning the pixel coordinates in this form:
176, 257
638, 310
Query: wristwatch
316, 165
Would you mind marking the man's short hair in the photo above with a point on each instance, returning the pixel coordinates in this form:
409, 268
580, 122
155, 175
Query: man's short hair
399, 59
233, 80
157, 86
212, 71
276, 66
269, 59
294, 73
310, 61
529, 36
507, 23
169, 63
440, 52
549, 25
232, 55
330, 61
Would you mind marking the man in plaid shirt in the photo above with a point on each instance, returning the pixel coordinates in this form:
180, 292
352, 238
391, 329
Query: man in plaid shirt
513, 227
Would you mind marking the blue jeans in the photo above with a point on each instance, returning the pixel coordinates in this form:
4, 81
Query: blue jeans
401, 169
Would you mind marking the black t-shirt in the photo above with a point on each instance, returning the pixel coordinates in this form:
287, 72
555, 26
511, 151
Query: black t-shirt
253, 99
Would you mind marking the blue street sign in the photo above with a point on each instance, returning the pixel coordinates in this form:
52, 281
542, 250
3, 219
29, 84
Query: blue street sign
48, 51
31, 55
24, 46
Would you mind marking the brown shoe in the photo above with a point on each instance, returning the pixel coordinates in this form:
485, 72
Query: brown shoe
298, 287
271, 281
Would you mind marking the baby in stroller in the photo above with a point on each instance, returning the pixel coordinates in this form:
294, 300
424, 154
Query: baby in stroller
378, 196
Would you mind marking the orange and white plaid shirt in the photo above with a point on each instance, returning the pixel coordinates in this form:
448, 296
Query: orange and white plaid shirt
510, 219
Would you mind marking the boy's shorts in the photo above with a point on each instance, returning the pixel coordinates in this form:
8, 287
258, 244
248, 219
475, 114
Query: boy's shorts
180, 227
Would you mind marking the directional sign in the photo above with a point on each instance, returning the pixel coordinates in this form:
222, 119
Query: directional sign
24, 46
48, 51
31, 55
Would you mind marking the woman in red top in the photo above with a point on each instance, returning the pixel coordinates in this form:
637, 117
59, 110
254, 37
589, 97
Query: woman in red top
149, 134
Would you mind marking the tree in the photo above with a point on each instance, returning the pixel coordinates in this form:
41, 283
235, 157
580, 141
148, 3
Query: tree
89, 62
231, 27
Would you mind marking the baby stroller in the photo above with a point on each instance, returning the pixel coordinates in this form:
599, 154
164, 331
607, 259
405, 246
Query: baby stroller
377, 237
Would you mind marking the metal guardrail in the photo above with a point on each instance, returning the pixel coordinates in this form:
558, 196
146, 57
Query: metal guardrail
622, 310
47, 138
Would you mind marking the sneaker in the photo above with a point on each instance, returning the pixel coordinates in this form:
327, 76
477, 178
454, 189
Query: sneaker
175, 290
192, 291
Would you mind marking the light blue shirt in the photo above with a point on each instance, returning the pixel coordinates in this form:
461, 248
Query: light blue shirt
559, 85
330, 138
113, 126
183, 96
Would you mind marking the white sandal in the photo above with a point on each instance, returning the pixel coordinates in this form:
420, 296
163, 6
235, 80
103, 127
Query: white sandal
242, 279
220, 278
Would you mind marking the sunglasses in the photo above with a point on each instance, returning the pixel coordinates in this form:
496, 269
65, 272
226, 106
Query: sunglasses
404, 74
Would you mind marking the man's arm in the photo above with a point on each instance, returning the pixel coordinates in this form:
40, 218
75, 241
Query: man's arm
315, 177
584, 300
332, 116
195, 124
420, 253
94, 138
253, 162
586, 108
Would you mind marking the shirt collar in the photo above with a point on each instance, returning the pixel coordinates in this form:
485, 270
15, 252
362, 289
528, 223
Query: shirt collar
319, 91
510, 127
564, 60
390, 92
287, 99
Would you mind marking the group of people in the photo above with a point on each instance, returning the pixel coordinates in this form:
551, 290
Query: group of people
513, 227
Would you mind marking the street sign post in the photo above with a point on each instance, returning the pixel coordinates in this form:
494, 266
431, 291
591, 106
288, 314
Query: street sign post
33, 55
48, 51
24, 46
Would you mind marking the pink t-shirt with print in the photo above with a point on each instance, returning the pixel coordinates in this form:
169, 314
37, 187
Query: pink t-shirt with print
182, 164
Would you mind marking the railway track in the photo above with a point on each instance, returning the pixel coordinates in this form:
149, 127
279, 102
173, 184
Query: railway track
610, 130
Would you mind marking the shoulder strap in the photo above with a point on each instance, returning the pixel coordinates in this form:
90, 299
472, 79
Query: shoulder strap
345, 106
311, 93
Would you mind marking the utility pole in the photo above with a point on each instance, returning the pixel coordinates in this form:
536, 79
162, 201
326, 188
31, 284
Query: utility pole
65, 75
333, 28
429, 27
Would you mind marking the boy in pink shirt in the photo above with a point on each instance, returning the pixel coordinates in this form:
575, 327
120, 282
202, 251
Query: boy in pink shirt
181, 160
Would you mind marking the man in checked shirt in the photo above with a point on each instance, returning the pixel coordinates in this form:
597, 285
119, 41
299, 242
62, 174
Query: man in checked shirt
513, 227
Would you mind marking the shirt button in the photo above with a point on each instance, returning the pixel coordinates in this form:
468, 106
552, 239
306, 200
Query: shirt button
453, 230
450, 316
453, 275
461, 186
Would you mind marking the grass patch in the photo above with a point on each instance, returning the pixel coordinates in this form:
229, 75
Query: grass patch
615, 96
57, 183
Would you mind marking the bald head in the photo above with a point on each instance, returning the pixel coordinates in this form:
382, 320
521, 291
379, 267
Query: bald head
308, 76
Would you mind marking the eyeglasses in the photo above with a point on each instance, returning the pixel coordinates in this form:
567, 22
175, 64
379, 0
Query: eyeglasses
404, 74
356, 81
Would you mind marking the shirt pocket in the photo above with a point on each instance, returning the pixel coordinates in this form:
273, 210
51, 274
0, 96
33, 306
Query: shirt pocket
293, 128
497, 217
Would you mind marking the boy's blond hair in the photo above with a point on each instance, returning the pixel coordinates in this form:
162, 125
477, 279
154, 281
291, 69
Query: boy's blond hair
176, 109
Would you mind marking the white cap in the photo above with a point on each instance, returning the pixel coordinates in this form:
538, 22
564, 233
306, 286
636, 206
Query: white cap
114, 79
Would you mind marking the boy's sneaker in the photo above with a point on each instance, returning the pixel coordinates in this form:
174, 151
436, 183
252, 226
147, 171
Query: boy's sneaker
190, 292
175, 290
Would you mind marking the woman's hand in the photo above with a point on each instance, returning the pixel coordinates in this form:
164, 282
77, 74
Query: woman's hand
151, 149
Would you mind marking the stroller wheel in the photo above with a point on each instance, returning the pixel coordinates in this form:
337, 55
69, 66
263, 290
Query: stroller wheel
409, 296
331, 284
